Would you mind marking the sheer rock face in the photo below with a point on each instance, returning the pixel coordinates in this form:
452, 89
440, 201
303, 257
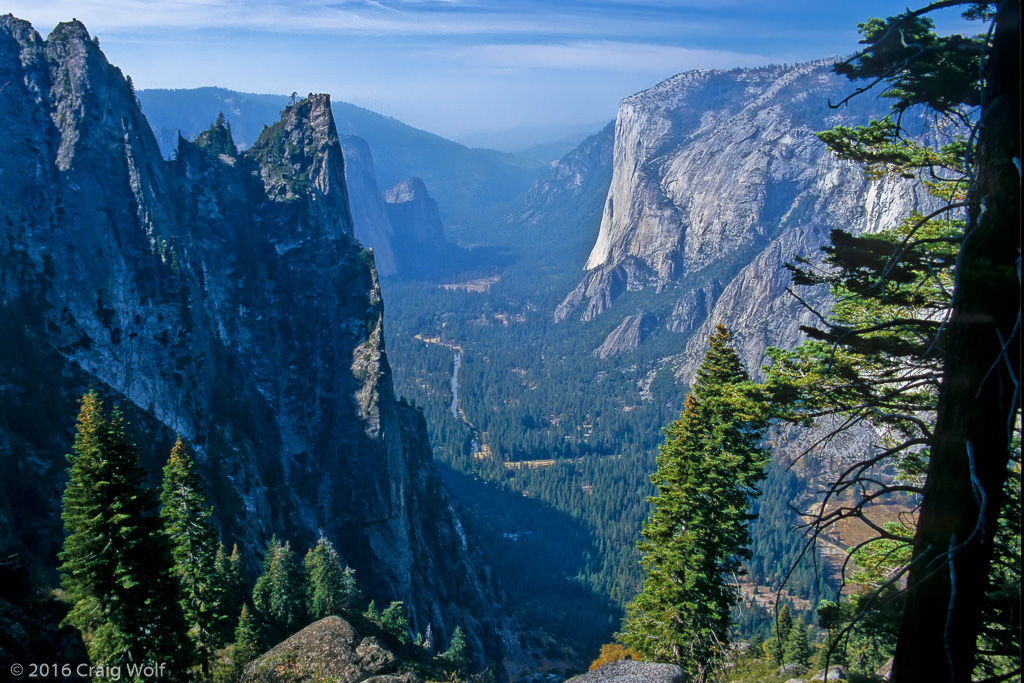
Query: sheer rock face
369, 215
413, 213
717, 181
222, 298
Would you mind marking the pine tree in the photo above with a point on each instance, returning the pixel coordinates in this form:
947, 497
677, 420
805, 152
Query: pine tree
116, 562
187, 517
277, 598
230, 573
372, 613
797, 649
696, 536
457, 656
832, 651
217, 139
352, 595
774, 647
327, 593
428, 640
395, 623
248, 645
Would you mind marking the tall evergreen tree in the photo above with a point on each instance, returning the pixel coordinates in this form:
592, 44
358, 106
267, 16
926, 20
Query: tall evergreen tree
116, 561
978, 411
352, 596
188, 523
248, 644
797, 649
230, 572
457, 654
774, 647
326, 592
696, 536
277, 598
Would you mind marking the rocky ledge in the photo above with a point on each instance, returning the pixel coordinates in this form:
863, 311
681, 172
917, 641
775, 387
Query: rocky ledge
630, 671
328, 650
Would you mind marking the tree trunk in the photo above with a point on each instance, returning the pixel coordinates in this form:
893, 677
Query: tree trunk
978, 399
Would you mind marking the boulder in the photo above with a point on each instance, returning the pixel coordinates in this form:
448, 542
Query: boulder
329, 649
835, 673
792, 669
540, 678
630, 671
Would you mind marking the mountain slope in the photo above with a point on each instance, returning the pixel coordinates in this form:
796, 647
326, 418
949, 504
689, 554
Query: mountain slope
221, 297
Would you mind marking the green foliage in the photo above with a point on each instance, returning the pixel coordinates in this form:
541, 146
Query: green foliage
234, 589
248, 644
277, 598
456, 657
1000, 632
696, 536
330, 588
774, 647
217, 139
797, 649
394, 622
116, 562
187, 517
861, 631
372, 614
917, 66
880, 149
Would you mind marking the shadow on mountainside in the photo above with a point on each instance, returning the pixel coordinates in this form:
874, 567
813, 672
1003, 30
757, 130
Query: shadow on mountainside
531, 547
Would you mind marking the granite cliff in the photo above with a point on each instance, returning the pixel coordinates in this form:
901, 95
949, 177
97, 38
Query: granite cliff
369, 214
413, 213
717, 180
220, 296
401, 225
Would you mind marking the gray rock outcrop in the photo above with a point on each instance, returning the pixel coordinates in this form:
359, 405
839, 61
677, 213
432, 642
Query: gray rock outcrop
834, 673
540, 678
627, 336
630, 671
329, 649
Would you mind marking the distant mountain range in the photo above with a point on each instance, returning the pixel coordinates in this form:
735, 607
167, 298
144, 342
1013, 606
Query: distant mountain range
473, 187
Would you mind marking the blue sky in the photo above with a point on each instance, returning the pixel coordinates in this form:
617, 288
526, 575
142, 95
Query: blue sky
457, 67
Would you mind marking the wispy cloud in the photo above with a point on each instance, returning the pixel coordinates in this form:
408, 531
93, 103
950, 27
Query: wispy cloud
362, 17
601, 55
572, 19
